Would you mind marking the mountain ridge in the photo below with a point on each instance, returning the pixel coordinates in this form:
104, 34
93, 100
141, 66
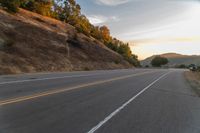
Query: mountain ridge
175, 59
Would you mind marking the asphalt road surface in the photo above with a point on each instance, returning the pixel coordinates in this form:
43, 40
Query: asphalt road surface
117, 101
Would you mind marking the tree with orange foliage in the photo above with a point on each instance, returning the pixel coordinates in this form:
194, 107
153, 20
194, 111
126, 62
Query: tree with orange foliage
105, 32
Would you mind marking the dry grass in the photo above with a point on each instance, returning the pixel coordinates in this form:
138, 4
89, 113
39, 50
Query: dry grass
38, 44
193, 79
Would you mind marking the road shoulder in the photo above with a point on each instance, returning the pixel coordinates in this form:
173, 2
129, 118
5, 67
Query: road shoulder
193, 79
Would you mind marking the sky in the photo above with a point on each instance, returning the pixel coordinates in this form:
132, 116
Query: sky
150, 26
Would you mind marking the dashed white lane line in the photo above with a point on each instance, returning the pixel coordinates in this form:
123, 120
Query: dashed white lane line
95, 128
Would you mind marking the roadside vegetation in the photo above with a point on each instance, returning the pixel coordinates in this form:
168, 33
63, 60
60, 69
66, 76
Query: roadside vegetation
70, 12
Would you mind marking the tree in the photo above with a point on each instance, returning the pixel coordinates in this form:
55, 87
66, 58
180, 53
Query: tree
43, 7
133, 59
83, 25
112, 46
95, 32
69, 11
105, 32
125, 50
158, 61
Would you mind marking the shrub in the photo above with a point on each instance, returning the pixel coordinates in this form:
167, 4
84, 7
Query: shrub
117, 61
9, 43
6, 44
181, 66
198, 68
1, 43
86, 69
10, 5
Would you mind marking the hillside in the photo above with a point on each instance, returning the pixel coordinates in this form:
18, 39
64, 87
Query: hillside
33, 43
175, 59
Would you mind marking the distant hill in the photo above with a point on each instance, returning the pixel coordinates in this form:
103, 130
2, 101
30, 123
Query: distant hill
175, 59
30, 42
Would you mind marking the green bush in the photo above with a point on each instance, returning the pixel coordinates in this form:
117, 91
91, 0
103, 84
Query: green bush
181, 66
198, 68
9, 43
117, 61
6, 43
1, 43
86, 69
10, 5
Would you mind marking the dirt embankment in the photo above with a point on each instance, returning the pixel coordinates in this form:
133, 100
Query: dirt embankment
33, 43
193, 79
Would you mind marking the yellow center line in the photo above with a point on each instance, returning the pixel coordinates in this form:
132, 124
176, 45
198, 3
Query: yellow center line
51, 92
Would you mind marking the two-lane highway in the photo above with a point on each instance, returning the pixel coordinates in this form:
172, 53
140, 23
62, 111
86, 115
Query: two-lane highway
124, 101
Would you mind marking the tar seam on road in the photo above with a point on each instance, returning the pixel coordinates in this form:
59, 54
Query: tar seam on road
41, 79
47, 93
51, 78
95, 128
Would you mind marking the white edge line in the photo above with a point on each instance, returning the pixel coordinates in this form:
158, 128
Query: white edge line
124, 105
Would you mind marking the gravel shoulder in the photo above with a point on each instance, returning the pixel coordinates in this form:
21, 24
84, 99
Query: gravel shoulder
193, 79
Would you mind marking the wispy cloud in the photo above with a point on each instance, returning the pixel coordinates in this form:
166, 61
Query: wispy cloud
166, 40
99, 19
112, 2
94, 19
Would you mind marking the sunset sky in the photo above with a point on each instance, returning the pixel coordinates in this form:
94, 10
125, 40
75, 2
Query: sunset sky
150, 26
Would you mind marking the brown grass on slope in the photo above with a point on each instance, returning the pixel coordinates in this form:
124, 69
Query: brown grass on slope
33, 43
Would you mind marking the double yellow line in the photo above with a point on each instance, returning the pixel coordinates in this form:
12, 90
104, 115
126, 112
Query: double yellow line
51, 92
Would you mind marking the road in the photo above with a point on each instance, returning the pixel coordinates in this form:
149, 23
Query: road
115, 101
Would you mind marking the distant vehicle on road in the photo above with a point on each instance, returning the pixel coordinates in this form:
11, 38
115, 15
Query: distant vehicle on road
192, 67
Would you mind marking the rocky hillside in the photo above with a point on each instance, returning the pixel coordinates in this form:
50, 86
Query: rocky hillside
176, 59
33, 43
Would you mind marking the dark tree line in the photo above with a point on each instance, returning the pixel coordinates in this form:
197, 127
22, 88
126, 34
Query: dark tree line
70, 12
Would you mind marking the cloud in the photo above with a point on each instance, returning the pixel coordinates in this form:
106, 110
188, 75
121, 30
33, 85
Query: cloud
99, 19
194, 39
94, 19
112, 2
114, 18
119, 2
